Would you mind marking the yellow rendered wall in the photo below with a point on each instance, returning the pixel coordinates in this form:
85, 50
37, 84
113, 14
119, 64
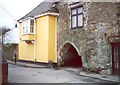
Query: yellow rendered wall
52, 39
42, 39
45, 41
26, 51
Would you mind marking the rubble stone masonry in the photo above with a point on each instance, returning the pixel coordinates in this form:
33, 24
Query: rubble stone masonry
91, 40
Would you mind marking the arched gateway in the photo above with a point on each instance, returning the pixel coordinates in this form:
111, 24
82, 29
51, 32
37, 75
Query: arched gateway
70, 56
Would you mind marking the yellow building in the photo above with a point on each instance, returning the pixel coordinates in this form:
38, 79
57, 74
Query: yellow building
38, 34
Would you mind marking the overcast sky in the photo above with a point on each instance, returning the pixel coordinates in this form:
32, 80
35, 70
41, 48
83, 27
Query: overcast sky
11, 10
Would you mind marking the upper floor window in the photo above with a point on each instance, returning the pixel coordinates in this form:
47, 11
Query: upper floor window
28, 26
77, 17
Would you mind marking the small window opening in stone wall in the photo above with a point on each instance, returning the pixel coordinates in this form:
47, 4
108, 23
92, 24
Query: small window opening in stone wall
77, 17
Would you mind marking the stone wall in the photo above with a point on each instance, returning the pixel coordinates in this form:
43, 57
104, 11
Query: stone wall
91, 41
102, 22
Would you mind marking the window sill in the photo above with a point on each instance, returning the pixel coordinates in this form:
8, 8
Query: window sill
27, 37
28, 34
76, 27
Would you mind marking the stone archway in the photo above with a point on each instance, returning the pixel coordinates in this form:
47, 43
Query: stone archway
70, 56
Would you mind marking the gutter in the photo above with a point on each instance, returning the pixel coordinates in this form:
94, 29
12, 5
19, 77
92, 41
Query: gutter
49, 13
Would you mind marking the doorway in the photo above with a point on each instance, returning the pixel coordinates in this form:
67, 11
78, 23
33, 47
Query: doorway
115, 58
70, 56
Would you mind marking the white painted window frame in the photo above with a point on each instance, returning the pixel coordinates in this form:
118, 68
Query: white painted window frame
28, 26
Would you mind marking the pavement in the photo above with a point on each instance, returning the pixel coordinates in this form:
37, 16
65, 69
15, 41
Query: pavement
113, 78
77, 71
25, 64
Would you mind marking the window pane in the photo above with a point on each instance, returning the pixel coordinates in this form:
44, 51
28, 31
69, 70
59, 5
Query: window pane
74, 19
25, 23
80, 20
25, 26
74, 11
31, 25
31, 29
80, 10
32, 22
23, 30
26, 29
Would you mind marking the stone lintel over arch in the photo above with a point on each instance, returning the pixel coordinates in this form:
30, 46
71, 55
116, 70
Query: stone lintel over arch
72, 45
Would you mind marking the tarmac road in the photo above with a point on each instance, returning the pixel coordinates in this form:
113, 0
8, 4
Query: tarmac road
20, 74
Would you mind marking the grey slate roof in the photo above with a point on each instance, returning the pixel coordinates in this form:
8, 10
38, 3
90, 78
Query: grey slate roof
41, 8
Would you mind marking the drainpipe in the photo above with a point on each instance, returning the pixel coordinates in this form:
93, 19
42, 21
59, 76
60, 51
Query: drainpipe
56, 38
34, 41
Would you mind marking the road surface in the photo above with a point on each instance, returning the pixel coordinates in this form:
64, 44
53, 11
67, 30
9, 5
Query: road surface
20, 74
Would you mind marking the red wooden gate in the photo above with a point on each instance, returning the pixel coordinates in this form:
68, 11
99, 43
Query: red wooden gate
115, 58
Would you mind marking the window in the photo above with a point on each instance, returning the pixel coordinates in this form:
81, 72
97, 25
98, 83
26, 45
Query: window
77, 17
28, 26
25, 26
32, 26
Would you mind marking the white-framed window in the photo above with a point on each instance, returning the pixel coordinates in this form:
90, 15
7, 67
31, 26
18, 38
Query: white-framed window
77, 17
28, 26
